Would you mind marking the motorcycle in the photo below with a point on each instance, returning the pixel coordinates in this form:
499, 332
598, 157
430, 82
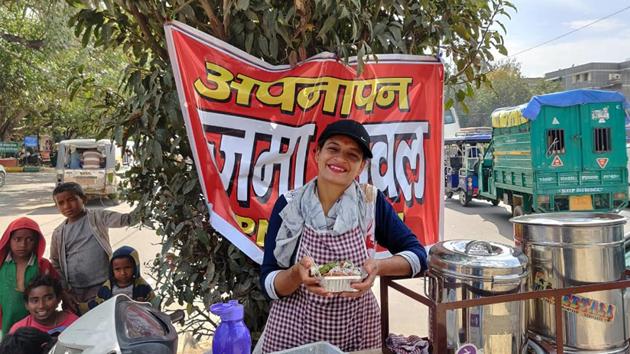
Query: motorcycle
120, 326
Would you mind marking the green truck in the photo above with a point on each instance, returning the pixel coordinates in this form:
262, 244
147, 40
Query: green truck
563, 151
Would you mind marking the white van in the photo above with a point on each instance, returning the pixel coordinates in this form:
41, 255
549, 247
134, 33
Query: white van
451, 123
90, 163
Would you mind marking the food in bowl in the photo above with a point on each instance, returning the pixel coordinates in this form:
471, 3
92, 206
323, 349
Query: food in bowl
337, 276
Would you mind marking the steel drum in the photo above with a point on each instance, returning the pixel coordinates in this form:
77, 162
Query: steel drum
572, 249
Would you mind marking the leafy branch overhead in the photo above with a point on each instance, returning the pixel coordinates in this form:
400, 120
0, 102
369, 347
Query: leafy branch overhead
202, 267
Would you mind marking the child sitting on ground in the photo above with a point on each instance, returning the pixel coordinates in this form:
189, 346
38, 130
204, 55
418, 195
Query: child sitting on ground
81, 249
42, 296
21, 259
124, 278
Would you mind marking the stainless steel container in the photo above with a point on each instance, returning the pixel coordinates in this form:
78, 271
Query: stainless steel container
571, 249
467, 269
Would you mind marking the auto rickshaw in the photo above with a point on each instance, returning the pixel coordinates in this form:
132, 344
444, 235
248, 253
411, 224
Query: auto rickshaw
91, 164
462, 155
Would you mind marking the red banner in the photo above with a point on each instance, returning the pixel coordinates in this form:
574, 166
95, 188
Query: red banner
254, 126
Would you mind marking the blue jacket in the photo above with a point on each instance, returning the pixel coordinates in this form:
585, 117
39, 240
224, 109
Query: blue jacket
390, 232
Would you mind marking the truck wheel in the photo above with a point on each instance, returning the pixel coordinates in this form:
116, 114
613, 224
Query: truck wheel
463, 198
495, 202
449, 195
517, 211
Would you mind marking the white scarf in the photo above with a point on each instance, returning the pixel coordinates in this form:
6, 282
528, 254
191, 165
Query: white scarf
304, 209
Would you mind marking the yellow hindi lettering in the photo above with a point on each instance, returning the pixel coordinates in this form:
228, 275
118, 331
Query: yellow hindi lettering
305, 91
285, 93
389, 88
219, 77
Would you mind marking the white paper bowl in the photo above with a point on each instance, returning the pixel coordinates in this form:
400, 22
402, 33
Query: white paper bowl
337, 284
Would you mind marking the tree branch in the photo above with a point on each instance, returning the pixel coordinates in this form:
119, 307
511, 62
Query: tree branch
215, 24
36, 44
481, 41
144, 27
226, 16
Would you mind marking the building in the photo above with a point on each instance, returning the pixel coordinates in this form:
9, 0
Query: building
605, 76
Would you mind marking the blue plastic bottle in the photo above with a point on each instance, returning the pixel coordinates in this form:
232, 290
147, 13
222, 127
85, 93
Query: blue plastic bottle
232, 336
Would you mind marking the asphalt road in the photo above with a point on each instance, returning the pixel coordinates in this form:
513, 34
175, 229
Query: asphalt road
29, 194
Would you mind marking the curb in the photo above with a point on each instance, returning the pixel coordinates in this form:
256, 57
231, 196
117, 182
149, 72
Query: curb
30, 169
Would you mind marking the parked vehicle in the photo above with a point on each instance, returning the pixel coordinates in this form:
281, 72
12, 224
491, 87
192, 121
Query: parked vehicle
3, 176
560, 152
451, 123
462, 156
90, 163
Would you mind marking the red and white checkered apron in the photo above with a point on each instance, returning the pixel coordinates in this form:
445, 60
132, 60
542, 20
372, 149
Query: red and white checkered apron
350, 323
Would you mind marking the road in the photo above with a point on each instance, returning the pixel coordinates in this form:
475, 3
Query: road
28, 194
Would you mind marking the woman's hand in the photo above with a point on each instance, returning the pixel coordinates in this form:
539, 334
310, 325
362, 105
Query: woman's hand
371, 266
303, 272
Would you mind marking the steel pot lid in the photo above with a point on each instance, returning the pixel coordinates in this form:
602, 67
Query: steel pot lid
571, 219
478, 259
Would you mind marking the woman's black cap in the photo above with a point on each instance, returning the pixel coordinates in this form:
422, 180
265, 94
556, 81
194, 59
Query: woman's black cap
351, 129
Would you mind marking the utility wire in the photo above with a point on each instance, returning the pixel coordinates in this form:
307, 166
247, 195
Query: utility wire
571, 32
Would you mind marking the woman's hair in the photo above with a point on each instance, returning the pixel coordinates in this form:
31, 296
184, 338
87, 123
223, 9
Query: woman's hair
26, 340
43, 280
71, 187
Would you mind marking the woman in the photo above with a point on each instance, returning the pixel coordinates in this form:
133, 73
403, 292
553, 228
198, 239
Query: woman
332, 218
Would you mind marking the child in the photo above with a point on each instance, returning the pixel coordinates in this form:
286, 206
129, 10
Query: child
80, 249
42, 296
26, 340
21, 259
124, 278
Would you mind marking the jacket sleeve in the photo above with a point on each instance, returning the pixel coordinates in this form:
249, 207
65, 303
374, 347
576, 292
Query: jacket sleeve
270, 267
394, 235
115, 219
143, 291
54, 256
104, 293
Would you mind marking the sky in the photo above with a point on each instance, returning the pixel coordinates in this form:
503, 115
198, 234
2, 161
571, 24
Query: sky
537, 21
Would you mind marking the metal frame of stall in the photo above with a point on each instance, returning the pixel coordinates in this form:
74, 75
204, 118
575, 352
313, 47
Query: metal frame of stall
438, 310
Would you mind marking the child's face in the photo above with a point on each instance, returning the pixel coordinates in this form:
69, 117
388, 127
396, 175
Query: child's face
123, 271
42, 303
23, 242
70, 205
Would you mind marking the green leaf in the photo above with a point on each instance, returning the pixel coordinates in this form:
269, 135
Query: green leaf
263, 45
502, 50
448, 104
249, 40
328, 24
461, 95
157, 153
242, 5
273, 47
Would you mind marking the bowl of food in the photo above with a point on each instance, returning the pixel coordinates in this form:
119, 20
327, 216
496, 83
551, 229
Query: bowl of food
338, 276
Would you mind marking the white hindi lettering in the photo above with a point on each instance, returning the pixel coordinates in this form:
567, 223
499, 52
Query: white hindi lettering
398, 165
397, 146
239, 138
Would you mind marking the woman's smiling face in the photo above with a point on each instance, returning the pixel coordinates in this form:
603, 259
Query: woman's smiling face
339, 161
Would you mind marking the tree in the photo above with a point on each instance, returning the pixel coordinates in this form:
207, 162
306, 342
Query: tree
202, 267
39, 54
506, 88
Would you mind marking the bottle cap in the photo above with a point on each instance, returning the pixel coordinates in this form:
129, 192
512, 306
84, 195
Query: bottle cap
228, 311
